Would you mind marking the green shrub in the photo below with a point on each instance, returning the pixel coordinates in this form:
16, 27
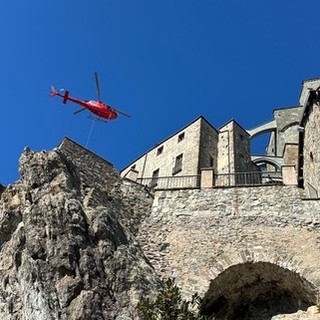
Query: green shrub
169, 305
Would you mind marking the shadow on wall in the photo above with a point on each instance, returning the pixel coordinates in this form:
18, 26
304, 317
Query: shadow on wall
257, 291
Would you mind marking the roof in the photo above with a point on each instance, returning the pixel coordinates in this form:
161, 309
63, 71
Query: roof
285, 108
237, 123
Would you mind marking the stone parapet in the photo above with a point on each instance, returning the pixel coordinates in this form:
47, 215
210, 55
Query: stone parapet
289, 175
207, 178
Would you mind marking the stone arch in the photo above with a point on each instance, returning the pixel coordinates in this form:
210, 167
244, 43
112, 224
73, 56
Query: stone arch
276, 162
289, 125
263, 130
257, 290
268, 127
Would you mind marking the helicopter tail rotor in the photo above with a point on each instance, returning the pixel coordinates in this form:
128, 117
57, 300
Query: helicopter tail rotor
53, 92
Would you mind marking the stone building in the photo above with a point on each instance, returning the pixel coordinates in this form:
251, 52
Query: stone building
196, 147
224, 154
181, 154
250, 249
309, 137
252, 252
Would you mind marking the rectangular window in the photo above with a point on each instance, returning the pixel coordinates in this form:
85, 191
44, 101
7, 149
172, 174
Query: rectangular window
211, 162
159, 150
154, 180
180, 137
178, 164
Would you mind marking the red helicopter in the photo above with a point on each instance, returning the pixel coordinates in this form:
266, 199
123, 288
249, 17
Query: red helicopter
98, 108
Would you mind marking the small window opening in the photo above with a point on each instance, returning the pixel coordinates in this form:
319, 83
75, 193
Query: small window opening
178, 164
211, 162
311, 156
180, 137
154, 179
159, 150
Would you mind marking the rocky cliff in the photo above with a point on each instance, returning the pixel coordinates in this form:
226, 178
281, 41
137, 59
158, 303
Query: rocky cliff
71, 233
68, 248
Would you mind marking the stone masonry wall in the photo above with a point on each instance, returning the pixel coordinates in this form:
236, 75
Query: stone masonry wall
208, 156
225, 146
234, 150
242, 152
287, 123
306, 85
194, 235
170, 149
94, 171
311, 153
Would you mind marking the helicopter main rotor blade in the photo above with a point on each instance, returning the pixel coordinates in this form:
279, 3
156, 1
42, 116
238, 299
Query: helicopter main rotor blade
123, 113
76, 112
97, 85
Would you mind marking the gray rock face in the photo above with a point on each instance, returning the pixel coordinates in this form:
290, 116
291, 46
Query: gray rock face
311, 314
68, 250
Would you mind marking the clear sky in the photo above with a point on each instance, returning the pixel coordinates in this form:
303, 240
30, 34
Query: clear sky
164, 62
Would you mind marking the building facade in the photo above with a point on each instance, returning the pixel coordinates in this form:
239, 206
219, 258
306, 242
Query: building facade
182, 154
179, 160
196, 147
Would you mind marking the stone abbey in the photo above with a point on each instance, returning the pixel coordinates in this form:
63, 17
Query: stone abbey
223, 155
241, 230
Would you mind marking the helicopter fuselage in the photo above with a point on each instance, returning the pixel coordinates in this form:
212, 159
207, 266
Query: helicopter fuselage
97, 107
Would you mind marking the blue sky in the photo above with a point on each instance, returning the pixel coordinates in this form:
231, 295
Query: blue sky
164, 62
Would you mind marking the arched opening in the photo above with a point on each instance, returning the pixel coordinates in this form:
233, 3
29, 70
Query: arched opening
266, 164
257, 291
259, 144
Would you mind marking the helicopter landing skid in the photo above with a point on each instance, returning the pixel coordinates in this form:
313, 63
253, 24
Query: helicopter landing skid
97, 119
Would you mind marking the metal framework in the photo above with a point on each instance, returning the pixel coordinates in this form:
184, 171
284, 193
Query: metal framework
220, 180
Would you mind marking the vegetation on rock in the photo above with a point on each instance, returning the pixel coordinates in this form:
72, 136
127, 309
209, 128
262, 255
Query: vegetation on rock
169, 305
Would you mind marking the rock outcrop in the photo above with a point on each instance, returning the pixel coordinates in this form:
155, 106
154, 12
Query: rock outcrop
311, 314
68, 248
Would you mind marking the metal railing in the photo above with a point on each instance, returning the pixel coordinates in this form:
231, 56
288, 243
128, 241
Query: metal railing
220, 180
248, 178
171, 182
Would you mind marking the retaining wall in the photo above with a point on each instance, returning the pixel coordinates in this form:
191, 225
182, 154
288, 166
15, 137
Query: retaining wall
194, 235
